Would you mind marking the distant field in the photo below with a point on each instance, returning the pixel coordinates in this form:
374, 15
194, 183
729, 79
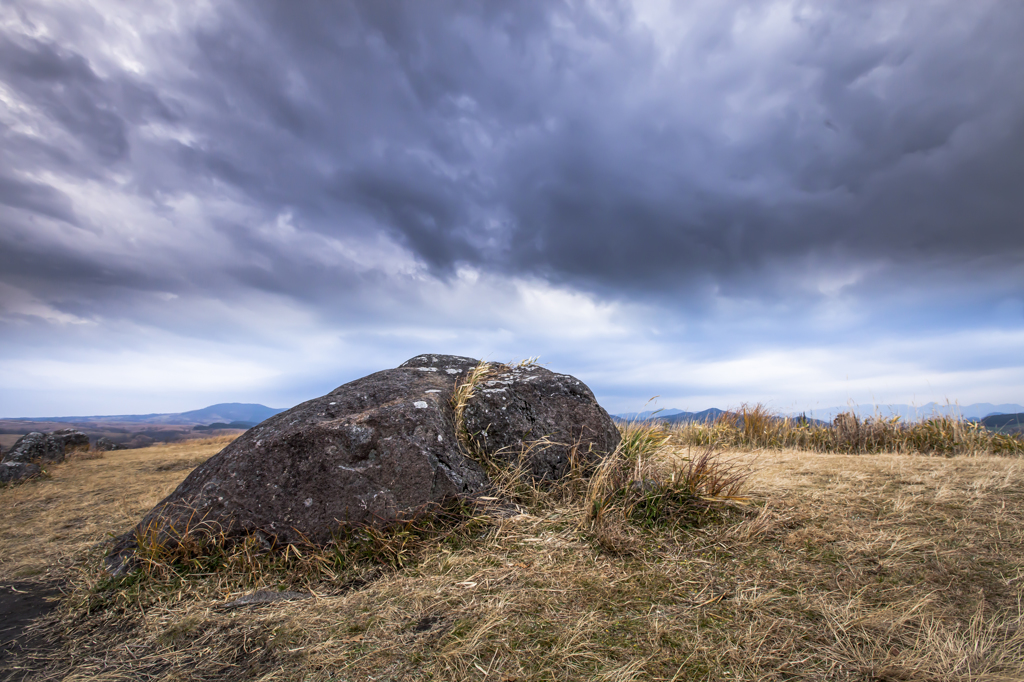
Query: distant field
131, 434
878, 567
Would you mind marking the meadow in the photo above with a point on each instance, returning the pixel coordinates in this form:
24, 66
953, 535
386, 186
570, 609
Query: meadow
751, 548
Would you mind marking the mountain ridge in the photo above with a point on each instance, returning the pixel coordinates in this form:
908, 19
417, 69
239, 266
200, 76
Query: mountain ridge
975, 411
221, 412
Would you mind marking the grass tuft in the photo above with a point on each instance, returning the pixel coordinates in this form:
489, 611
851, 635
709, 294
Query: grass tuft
464, 391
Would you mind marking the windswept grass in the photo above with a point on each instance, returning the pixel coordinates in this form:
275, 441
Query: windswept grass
755, 427
464, 392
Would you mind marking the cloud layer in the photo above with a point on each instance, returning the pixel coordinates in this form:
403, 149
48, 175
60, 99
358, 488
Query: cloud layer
267, 199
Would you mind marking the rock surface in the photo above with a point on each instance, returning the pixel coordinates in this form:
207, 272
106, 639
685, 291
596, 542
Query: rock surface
513, 406
374, 449
46, 447
36, 447
70, 439
16, 471
104, 444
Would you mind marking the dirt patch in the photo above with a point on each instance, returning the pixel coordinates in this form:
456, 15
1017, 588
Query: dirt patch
21, 604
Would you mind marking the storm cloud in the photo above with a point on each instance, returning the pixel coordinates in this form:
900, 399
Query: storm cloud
695, 185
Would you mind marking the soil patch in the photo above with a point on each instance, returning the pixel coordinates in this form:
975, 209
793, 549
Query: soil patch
21, 603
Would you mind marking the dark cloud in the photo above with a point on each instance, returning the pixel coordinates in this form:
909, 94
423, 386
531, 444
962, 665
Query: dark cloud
558, 129
63, 85
800, 156
36, 197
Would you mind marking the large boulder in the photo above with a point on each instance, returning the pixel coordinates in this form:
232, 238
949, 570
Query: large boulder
375, 449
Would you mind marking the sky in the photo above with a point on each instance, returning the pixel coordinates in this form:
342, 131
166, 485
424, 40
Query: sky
715, 202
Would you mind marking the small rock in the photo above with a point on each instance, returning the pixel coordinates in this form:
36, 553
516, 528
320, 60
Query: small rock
71, 439
104, 444
17, 471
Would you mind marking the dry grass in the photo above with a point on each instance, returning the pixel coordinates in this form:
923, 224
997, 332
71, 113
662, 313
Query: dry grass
464, 391
49, 522
875, 568
754, 426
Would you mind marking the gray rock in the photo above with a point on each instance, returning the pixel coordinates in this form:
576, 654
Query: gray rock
17, 471
373, 450
512, 407
104, 444
46, 447
36, 447
368, 450
71, 439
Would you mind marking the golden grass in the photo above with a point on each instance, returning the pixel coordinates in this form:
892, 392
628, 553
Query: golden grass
464, 391
754, 426
50, 521
843, 567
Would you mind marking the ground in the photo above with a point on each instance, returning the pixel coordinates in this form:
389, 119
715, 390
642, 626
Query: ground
840, 567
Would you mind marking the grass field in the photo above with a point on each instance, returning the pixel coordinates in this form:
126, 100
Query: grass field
874, 567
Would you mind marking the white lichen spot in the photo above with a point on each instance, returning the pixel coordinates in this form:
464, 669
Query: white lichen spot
308, 502
332, 403
440, 438
427, 369
454, 371
433, 390
357, 470
420, 404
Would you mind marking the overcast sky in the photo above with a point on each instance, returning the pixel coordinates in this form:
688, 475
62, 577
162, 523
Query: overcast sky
798, 203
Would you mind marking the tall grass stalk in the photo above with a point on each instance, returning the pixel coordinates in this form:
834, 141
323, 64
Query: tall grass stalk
755, 427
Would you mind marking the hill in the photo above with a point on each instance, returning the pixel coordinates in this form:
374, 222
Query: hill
677, 417
221, 412
141, 430
916, 413
975, 411
672, 416
1005, 423
708, 415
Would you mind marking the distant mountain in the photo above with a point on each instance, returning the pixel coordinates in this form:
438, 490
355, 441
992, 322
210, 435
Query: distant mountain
708, 415
908, 413
640, 416
221, 425
221, 412
672, 416
231, 412
915, 413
